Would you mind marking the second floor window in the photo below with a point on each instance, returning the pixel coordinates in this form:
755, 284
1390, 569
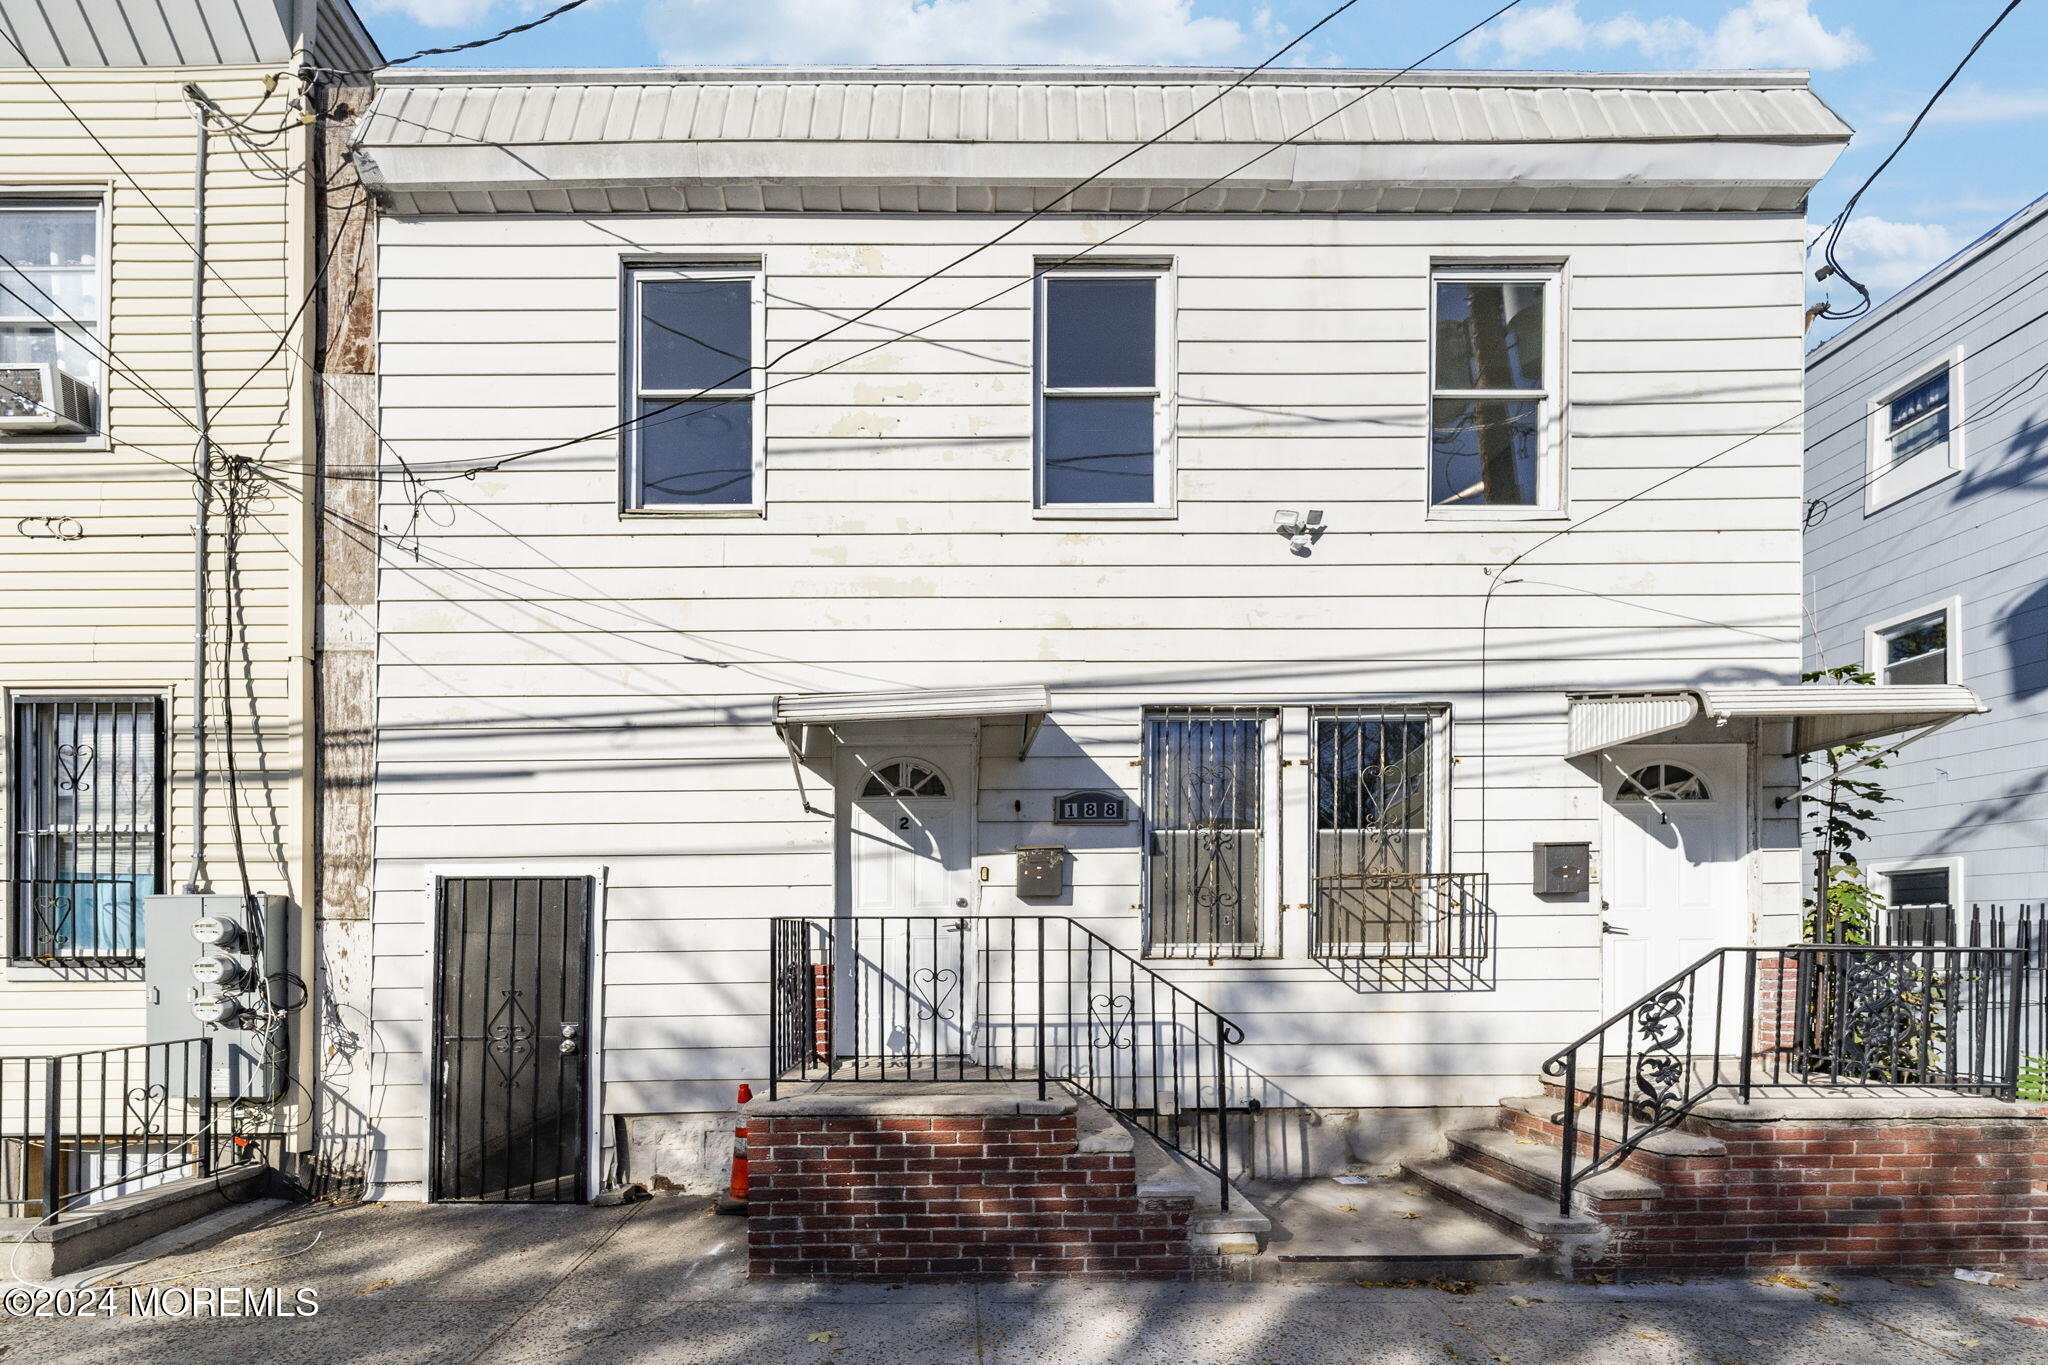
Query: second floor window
1102, 400
1493, 422
1915, 651
51, 292
693, 440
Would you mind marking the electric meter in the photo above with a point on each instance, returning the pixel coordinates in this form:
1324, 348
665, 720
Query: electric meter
216, 931
216, 971
217, 1009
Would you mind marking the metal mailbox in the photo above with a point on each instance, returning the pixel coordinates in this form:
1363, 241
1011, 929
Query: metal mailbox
1041, 870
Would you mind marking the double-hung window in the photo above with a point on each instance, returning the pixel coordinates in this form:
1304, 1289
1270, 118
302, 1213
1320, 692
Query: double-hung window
1104, 425
86, 847
1914, 437
51, 287
1211, 780
1916, 649
1378, 828
1494, 422
693, 438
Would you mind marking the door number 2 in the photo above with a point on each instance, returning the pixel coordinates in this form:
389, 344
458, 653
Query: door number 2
903, 822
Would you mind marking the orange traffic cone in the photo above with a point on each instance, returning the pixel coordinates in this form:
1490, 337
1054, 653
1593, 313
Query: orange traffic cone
735, 1200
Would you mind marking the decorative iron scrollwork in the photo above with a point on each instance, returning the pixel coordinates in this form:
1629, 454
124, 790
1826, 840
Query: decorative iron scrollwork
1882, 999
939, 984
1110, 1021
74, 767
510, 1036
147, 1107
1660, 1079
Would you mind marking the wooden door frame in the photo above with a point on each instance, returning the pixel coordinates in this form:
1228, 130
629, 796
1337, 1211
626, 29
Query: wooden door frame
593, 1024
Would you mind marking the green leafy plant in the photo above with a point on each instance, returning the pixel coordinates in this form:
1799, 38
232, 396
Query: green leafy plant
1844, 906
2034, 1078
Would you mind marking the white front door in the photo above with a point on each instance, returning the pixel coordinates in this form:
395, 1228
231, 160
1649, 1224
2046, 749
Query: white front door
907, 891
1673, 882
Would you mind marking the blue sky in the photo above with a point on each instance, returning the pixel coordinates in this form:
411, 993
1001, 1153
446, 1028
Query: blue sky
1982, 155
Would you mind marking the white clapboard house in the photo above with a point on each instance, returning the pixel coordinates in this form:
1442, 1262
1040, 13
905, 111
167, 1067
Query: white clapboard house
1309, 620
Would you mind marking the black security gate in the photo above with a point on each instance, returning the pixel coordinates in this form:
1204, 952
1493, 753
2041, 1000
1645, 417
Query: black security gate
512, 1070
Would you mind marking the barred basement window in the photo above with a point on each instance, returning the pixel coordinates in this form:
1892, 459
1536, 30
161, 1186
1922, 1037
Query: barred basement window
1209, 785
87, 825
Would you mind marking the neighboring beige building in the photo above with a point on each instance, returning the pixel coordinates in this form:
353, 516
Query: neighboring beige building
101, 106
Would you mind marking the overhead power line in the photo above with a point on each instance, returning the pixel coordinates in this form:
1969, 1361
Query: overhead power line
1833, 232
553, 14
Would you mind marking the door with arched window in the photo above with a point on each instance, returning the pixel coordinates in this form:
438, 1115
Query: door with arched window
906, 877
1673, 884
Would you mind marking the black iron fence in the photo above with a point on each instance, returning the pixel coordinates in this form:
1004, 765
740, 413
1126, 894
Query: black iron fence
1439, 915
1984, 924
1003, 999
86, 1126
1804, 1017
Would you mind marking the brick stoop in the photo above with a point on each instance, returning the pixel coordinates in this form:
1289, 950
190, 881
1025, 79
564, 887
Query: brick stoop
1838, 1180
920, 1181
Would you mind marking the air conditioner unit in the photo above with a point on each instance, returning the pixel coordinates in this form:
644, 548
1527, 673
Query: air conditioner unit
40, 397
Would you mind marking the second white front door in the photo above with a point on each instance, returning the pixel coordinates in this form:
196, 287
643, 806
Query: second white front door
908, 888
1674, 876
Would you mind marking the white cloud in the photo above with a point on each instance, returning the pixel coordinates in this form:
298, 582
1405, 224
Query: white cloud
435, 13
1974, 104
1888, 256
1152, 32
1759, 33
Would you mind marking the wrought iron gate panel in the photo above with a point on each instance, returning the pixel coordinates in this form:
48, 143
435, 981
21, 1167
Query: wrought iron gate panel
512, 1004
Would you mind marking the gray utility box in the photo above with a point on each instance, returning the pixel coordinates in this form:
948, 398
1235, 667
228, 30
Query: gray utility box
264, 942
1563, 869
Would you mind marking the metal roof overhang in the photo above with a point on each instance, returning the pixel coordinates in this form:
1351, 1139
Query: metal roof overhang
1026, 705
1824, 715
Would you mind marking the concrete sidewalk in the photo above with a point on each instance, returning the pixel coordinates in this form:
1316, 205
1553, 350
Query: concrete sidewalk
662, 1281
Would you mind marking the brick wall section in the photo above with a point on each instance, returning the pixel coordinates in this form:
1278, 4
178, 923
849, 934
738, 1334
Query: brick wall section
1865, 1193
970, 1197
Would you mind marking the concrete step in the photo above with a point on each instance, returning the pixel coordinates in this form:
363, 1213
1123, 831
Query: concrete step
1673, 1142
1239, 1230
1534, 1166
1533, 1217
1383, 1230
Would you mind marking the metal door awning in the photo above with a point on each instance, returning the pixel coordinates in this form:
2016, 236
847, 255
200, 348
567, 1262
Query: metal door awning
799, 714
1824, 715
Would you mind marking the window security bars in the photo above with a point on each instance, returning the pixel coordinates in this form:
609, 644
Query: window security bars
1207, 792
1803, 1017
87, 1126
87, 821
1033, 999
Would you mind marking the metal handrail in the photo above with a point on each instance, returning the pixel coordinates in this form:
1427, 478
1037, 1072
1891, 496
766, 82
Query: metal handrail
1834, 1016
1038, 999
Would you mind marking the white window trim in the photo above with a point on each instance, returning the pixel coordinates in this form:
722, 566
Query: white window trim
1272, 831
1875, 635
1552, 505
99, 194
1165, 350
630, 391
1951, 865
1884, 485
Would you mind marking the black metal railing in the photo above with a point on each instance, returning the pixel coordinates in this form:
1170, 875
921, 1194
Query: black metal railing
1038, 999
1803, 1017
84, 1126
1983, 924
1442, 915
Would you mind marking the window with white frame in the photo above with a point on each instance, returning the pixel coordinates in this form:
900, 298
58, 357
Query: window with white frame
1211, 802
85, 820
1916, 649
1494, 362
1379, 825
52, 284
1915, 436
693, 439
1920, 899
1103, 430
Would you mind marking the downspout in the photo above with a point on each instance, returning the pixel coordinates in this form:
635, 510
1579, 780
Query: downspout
203, 492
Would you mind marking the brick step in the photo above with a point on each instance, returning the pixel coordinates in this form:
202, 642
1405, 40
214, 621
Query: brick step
1668, 1142
1534, 1167
1531, 1217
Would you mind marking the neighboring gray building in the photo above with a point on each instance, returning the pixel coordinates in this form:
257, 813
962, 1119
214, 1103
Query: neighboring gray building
1927, 554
